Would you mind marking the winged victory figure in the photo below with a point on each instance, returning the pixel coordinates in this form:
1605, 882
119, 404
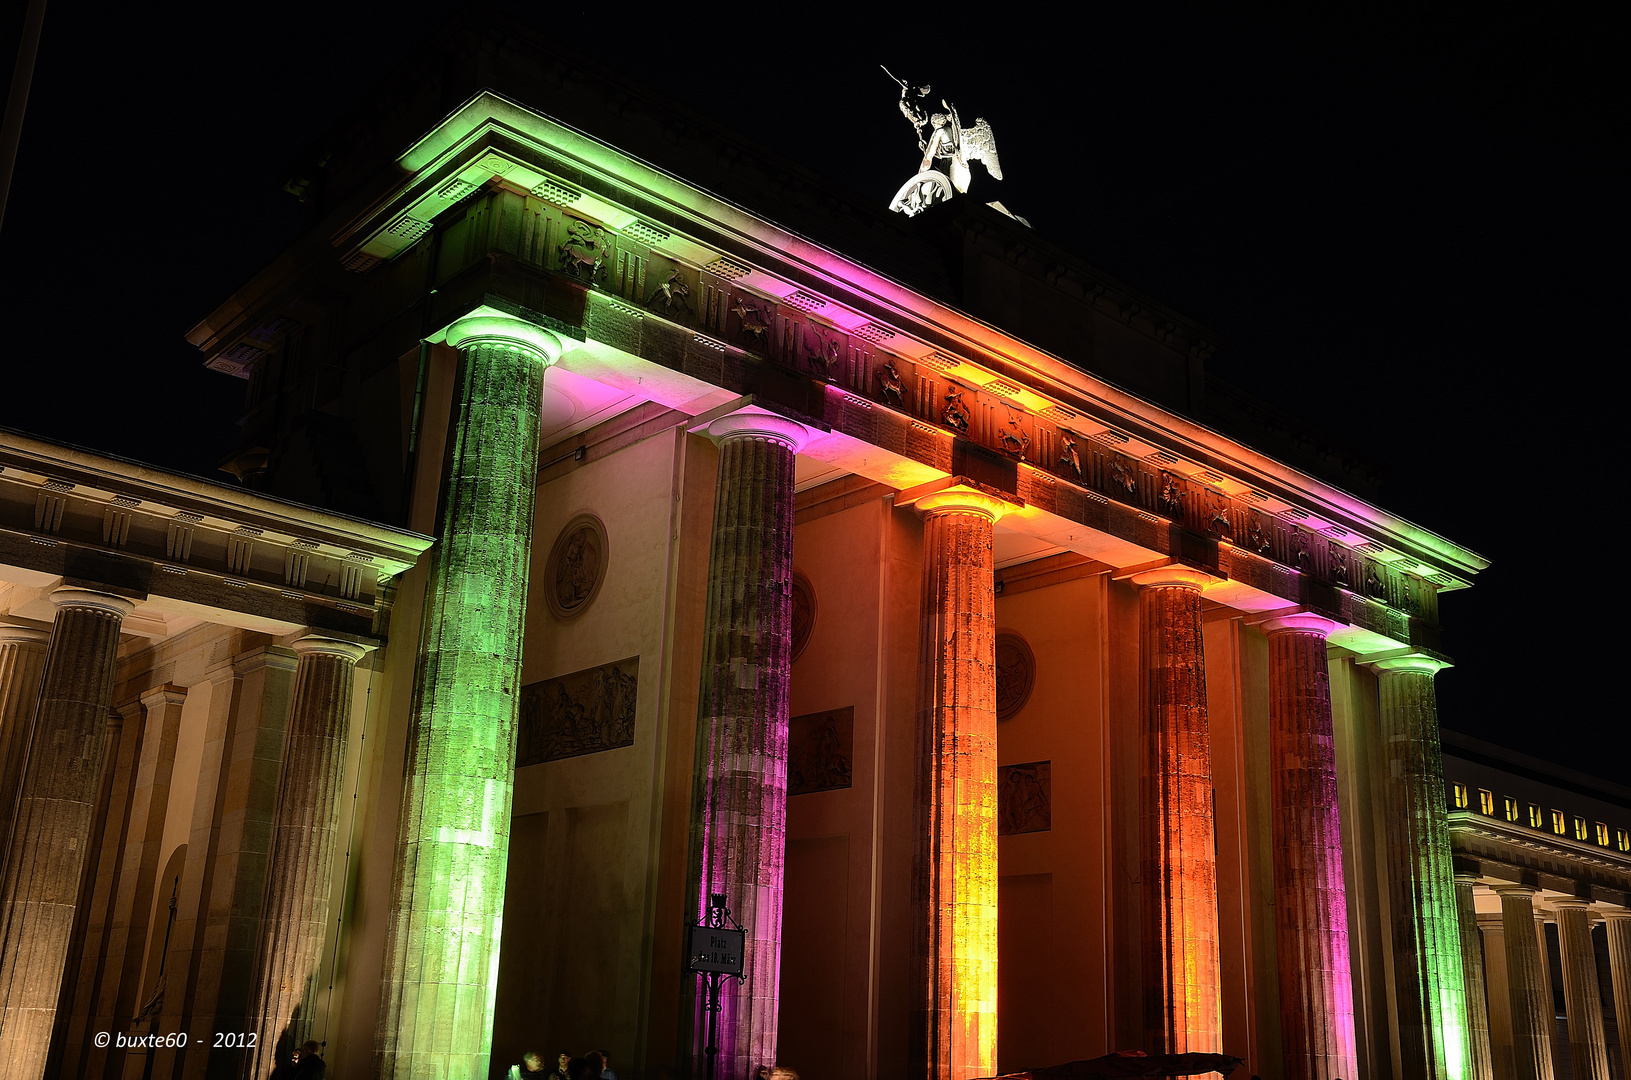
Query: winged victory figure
942, 137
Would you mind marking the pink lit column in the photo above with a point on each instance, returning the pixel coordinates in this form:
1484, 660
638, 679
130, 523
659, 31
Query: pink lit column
1182, 1002
1310, 906
954, 879
58, 791
739, 783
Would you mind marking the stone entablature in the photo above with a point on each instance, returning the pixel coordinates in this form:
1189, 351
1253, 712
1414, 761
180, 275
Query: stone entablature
537, 219
188, 546
1510, 850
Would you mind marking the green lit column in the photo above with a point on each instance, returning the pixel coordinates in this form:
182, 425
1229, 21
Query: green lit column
441, 962
1429, 982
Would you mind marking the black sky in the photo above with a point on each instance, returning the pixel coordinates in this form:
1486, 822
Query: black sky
1402, 227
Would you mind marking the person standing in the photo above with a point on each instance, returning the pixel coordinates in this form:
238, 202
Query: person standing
606, 1072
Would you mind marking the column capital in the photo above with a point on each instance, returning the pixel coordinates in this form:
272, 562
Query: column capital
1183, 577
1467, 877
94, 600
1409, 661
1298, 622
1515, 889
327, 646
1573, 903
490, 326
753, 422
962, 499
23, 635
1613, 914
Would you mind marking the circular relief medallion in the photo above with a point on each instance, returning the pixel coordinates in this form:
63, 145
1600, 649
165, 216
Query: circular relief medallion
1016, 674
577, 566
804, 613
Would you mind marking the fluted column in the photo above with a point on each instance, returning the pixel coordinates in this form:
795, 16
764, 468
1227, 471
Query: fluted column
453, 837
1582, 998
954, 881
1182, 998
1493, 929
22, 661
1428, 978
1527, 985
1479, 1060
739, 783
57, 794
1310, 903
1619, 971
294, 916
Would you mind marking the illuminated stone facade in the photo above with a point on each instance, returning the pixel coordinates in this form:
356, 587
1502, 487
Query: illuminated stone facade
1111, 730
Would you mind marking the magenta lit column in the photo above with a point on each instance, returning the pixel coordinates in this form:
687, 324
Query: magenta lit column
739, 782
1310, 904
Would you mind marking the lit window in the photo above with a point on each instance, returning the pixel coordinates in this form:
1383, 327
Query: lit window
1458, 795
1510, 806
1602, 835
1486, 803
1623, 839
1534, 817
1580, 832
1559, 826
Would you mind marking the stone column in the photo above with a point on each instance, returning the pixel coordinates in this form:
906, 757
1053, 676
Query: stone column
739, 783
1582, 998
57, 794
1479, 1061
453, 837
1498, 996
954, 881
1548, 990
1428, 979
1310, 905
294, 915
1182, 998
1527, 985
22, 660
1619, 972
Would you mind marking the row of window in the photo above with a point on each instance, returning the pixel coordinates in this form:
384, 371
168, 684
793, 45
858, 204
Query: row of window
1556, 820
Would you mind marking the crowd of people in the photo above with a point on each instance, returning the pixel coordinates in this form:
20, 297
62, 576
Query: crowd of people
595, 1065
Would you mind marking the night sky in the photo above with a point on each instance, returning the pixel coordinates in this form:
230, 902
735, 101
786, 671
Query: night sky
1401, 229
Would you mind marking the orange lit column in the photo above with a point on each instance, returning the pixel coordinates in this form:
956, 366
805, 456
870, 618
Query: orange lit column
739, 783
1588, 1050
1528, 987
53, 822
1310, 904
954, 894
1429, 983
1182, 1003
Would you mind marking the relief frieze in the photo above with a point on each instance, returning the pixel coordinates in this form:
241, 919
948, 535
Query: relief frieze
821, 751
1024, 798
585, 712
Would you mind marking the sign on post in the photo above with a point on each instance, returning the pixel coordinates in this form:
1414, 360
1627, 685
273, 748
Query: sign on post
717, 949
